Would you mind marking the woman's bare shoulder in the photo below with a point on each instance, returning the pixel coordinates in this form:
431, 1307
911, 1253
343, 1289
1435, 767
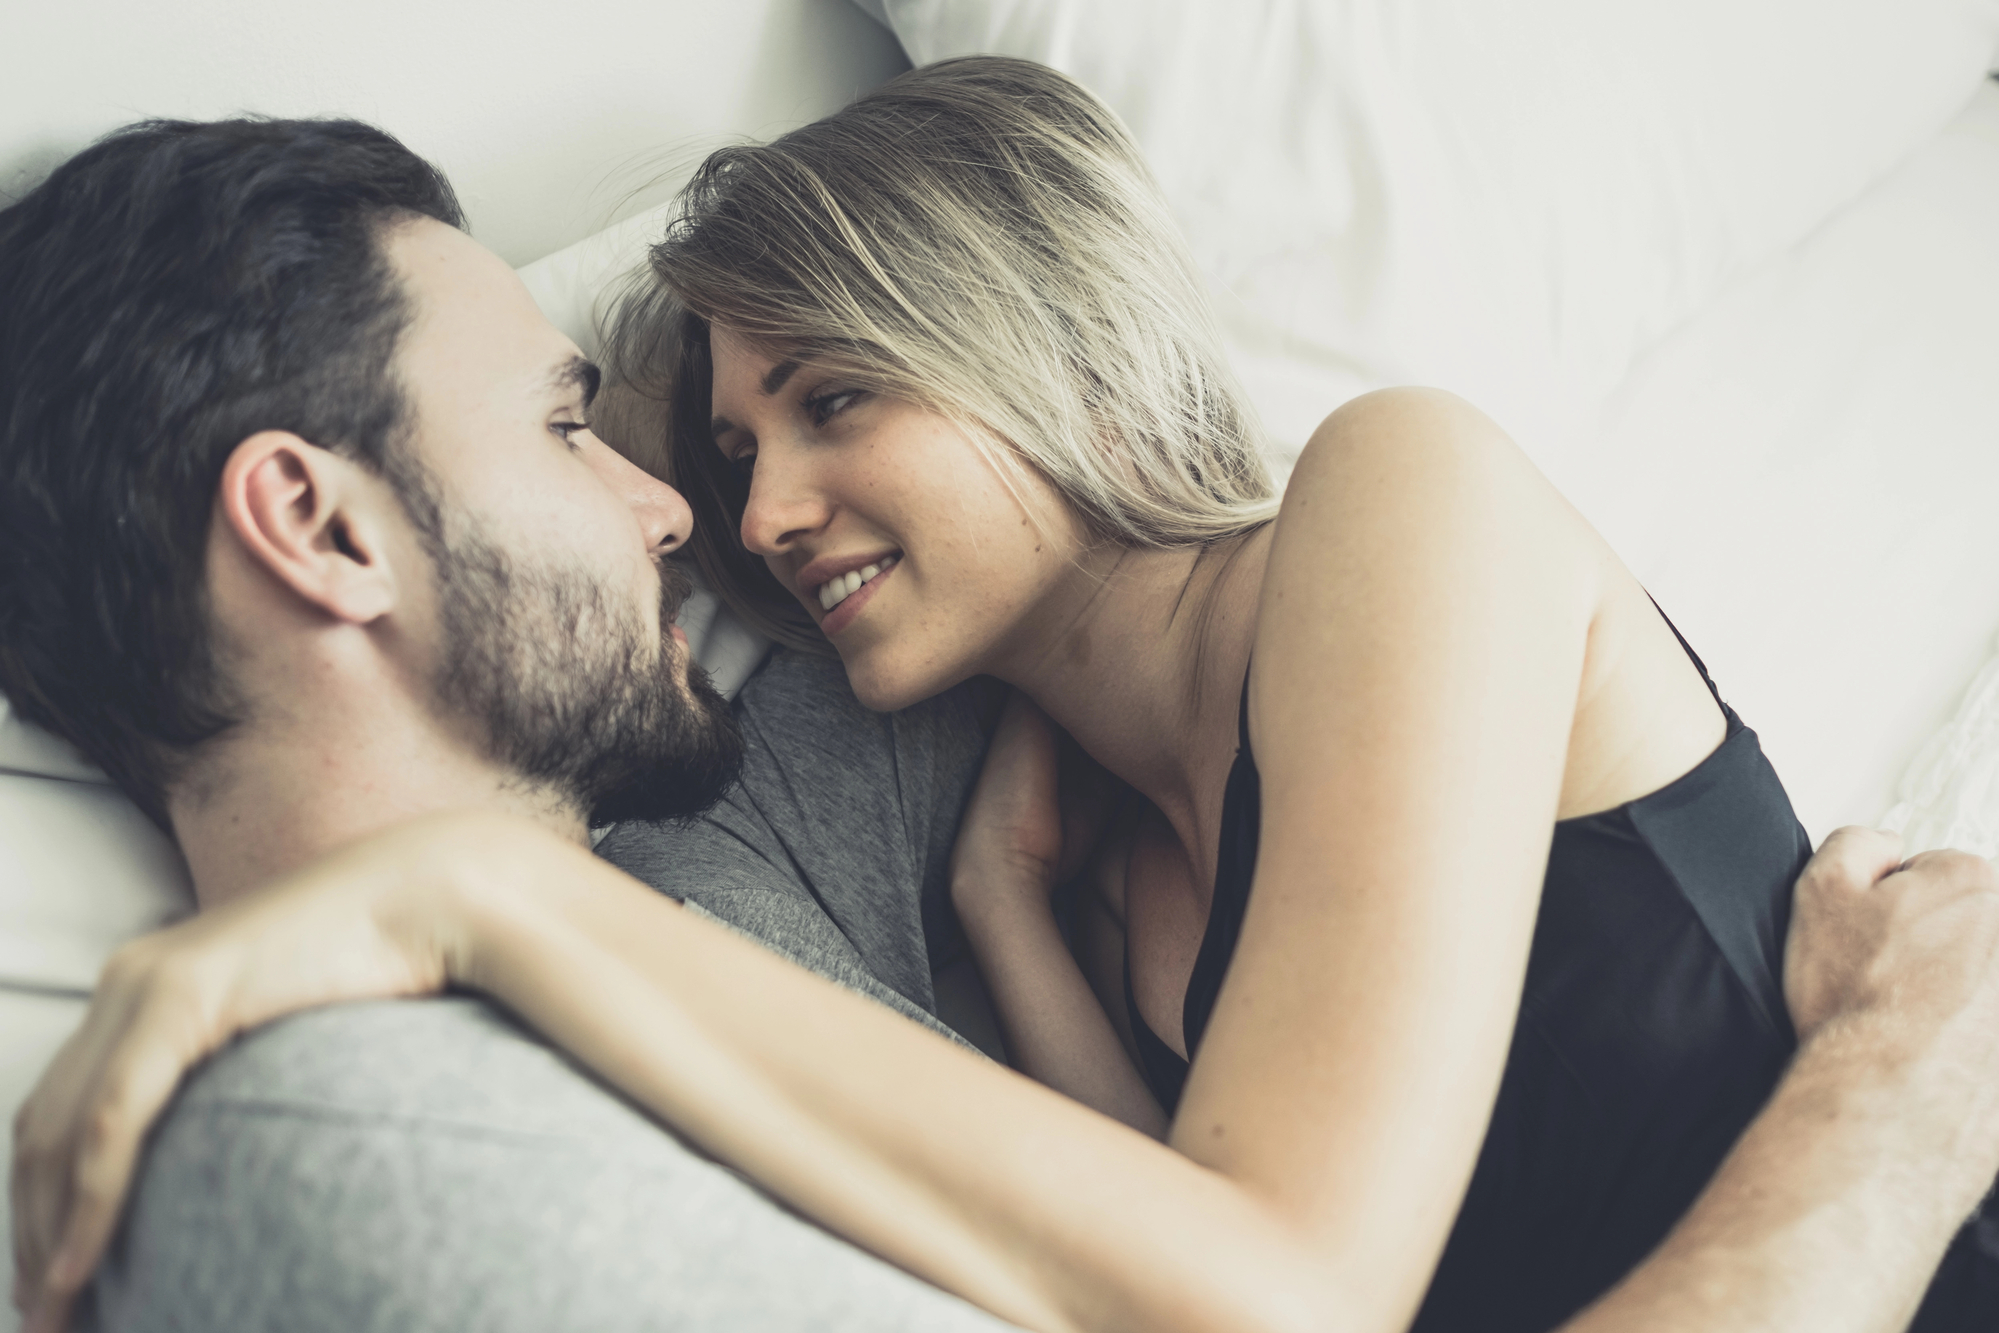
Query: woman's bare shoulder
1406, 476
1413, 442
1421, 475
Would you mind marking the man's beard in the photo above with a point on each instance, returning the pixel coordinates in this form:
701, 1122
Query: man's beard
570, 695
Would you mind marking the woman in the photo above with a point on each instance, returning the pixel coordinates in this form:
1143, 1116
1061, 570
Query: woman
1440, 838
1352, 728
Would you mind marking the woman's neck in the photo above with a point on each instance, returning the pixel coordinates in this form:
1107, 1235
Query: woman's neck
1141, 660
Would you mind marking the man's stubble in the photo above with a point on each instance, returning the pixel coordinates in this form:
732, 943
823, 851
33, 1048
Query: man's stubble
570, 694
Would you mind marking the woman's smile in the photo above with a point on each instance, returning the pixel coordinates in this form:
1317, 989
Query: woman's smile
842, 597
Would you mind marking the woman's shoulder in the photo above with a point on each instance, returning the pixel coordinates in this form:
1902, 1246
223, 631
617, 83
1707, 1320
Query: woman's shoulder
1401, 437
1420, 469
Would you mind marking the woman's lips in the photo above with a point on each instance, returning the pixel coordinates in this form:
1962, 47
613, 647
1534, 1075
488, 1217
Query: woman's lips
848, 610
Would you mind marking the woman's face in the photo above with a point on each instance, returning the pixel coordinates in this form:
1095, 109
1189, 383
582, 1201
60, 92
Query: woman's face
890, 526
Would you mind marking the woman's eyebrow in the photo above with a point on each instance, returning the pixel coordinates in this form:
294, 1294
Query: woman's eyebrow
772, 382
779, 373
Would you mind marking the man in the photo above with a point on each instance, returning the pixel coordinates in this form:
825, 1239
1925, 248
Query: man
458, 601
305, 536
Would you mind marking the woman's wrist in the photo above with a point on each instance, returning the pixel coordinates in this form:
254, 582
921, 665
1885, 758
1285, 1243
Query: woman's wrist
462, 875
989, 901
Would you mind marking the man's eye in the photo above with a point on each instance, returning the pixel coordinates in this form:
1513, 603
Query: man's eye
823, 407
745, 463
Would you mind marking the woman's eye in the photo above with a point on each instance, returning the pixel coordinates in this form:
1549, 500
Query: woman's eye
565, 429
823, 407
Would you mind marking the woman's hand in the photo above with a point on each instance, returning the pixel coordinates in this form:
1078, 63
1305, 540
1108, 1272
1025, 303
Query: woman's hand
1011, 839
1039, 809
374, 920
1032, 822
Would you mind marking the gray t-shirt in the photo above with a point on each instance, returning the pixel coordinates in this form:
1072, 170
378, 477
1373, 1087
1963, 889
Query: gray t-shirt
429, 1165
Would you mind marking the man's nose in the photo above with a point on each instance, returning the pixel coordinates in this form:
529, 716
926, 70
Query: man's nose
783, 506
662, 512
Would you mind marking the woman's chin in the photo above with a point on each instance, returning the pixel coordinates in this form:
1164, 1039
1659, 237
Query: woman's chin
885, 686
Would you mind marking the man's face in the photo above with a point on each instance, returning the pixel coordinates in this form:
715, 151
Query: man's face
555, 652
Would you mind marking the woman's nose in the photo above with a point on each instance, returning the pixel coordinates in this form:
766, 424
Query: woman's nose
783, 506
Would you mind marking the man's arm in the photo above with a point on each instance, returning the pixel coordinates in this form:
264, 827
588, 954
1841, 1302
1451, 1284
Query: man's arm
1836, 1206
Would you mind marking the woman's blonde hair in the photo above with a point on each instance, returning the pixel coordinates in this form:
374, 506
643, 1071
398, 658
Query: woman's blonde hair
980, 237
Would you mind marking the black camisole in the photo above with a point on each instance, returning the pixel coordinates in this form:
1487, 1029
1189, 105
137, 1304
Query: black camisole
1651, 1029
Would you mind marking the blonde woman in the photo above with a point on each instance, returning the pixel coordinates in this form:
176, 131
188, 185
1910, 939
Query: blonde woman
1428, 964
1438, 836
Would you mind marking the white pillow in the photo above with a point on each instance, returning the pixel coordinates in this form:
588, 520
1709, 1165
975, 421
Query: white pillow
1509, 200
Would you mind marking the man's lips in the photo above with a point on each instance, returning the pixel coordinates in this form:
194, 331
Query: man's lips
674, 590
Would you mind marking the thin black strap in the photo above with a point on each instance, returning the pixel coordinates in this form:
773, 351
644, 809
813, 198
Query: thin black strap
1242, 715
1692, 656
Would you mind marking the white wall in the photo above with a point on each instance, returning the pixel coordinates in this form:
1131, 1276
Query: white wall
545, 116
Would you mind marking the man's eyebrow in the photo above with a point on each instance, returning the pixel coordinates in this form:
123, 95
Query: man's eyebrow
578, 373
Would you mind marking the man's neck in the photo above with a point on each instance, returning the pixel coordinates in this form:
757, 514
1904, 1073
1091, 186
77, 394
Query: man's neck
278, 797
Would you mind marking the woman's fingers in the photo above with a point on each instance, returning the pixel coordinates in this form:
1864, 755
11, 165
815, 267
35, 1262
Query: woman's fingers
138, 1079
45, 1132
50, 1314
77, 1137
167, 1000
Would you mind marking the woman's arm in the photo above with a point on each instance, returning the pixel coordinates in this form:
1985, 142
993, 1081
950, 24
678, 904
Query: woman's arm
953, 1167
1007, 860
1829, 1216
1419, 656
967, 1174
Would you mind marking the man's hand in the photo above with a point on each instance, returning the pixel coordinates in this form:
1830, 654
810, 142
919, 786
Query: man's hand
1871, 933
1837, 1204
1893, 968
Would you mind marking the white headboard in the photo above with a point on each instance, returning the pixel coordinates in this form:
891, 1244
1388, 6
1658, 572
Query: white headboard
545, 116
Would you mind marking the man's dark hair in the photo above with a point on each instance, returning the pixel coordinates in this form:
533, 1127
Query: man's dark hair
165, 294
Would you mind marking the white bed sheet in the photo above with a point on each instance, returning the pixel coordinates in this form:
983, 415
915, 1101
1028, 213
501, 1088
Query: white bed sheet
1807, 478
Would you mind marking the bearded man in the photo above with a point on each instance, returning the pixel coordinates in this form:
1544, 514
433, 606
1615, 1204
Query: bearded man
305, 534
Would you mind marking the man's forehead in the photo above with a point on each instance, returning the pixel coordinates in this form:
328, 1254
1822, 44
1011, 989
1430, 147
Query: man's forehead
471, 315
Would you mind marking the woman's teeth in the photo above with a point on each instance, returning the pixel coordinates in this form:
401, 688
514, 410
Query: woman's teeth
835, 591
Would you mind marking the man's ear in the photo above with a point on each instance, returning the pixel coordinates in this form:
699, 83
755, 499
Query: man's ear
314, 521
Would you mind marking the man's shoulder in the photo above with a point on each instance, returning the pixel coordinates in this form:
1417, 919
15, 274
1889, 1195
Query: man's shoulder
450, 1061
371, 1168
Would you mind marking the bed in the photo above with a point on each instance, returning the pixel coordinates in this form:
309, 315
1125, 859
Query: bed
1728, 271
